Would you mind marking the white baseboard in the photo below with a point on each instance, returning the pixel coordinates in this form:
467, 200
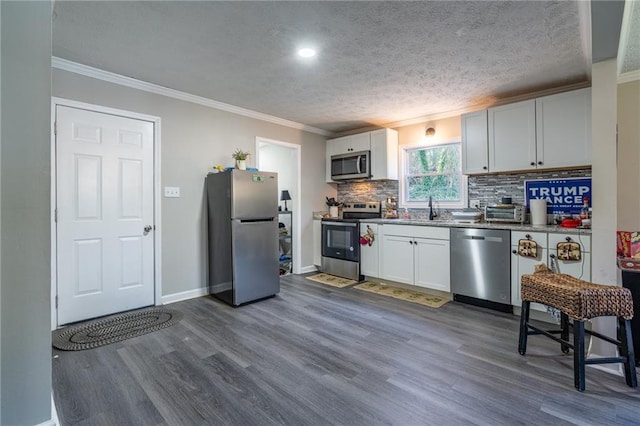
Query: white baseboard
307, 269
184, 295
55, 421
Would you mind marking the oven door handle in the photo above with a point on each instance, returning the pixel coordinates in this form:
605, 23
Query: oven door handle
353, 225
358, 163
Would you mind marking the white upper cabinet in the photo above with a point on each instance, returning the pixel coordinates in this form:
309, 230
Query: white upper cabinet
383, 145
351, 143
512, 137
563, 129
544, 133
384, 154
475, 141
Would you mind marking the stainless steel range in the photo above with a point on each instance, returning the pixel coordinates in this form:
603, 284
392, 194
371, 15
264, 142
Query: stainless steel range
341, 239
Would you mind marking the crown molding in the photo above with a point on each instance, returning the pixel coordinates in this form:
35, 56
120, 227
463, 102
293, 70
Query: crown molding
629, 76
121, 80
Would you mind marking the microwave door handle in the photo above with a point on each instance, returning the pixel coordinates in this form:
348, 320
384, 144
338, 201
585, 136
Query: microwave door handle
358, 163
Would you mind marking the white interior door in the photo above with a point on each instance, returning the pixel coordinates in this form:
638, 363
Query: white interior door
104, 202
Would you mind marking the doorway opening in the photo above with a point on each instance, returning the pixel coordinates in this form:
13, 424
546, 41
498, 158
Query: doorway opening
284, 158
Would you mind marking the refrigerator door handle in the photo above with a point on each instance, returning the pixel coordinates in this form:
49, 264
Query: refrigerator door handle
265, 219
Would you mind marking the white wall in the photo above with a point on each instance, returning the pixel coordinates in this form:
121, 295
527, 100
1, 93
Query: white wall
604, 186
629, 156
194, 138
25, 381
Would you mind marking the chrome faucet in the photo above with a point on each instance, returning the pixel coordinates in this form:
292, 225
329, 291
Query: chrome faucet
432, 214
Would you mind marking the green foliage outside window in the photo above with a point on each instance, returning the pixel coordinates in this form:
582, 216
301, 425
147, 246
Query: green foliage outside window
433, 171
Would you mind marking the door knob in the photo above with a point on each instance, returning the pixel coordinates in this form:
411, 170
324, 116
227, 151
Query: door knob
147, 229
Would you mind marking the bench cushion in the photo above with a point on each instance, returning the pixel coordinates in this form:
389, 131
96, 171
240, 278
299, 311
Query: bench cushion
578, 299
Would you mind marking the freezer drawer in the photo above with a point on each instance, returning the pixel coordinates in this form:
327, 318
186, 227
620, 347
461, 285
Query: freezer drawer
255, 260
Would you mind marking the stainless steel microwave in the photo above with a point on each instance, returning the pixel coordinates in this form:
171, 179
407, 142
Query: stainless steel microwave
353, 165
513, 213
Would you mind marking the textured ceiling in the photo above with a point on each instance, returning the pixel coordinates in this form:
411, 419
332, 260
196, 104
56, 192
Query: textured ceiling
630, 55
378, 62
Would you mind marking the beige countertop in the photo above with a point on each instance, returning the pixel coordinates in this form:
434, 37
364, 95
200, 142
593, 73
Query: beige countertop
483, 225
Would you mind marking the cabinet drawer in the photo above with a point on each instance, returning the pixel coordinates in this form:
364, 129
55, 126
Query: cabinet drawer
539, 237
584, 240
435, 232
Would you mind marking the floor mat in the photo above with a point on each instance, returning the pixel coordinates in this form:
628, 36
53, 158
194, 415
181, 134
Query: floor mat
403, 294
114, 328
331, 280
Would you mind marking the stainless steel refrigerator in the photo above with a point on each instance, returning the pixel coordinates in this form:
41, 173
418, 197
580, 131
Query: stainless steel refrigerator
243, 235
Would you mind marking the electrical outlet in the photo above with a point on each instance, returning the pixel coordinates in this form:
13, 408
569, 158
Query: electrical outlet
474, 204
171, 192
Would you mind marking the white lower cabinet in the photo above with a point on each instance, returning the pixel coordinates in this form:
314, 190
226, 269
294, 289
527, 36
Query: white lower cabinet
398, 261
521, 265
317, 242
432, 264
547, 255
369, 254
416, 255
580, 269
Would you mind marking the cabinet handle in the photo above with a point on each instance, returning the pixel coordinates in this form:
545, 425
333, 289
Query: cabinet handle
568, 239
540, 163
484, 168
514, 251
553, 256
533, 164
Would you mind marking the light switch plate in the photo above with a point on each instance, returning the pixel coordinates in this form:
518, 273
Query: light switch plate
171, 192
474, 204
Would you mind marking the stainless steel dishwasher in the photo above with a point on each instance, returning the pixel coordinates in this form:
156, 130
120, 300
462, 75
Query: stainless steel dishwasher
481, 267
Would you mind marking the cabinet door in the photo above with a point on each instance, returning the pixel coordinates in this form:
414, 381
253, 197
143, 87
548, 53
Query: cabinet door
563, 129
384, 154
397, 261
359, 142
432, 264
317, 242
369, 264
334, 147
580, 269
475, 143
520, 266
512, 137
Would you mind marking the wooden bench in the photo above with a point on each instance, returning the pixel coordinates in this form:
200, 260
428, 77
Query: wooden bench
579, 301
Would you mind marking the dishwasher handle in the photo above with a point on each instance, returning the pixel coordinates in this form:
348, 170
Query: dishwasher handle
482, 238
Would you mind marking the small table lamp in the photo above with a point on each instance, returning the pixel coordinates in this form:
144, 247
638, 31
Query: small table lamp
284, 197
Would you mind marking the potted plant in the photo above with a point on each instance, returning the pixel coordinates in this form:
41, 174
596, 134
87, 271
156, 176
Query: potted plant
241, 158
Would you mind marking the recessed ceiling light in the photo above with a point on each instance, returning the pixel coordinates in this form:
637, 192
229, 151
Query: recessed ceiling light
306, 52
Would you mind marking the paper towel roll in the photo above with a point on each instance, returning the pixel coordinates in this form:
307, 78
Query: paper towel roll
538, 209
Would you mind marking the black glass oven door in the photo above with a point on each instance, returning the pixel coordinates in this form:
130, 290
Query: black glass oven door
340, 240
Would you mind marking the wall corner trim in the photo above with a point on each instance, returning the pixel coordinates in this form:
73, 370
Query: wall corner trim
629, 76
74, 67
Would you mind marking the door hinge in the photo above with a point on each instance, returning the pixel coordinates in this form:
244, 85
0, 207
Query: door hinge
55, 128
56, 302
55, 215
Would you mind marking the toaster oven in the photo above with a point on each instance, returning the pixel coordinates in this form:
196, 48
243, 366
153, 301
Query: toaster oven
510, 213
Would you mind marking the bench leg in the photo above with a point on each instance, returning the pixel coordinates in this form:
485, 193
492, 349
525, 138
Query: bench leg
564, 333
578, 355
626, 350
524, 319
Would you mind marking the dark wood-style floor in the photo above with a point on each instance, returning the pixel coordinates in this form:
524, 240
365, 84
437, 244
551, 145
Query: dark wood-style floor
317, 355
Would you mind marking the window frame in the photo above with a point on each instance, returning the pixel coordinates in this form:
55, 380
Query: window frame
464, 184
